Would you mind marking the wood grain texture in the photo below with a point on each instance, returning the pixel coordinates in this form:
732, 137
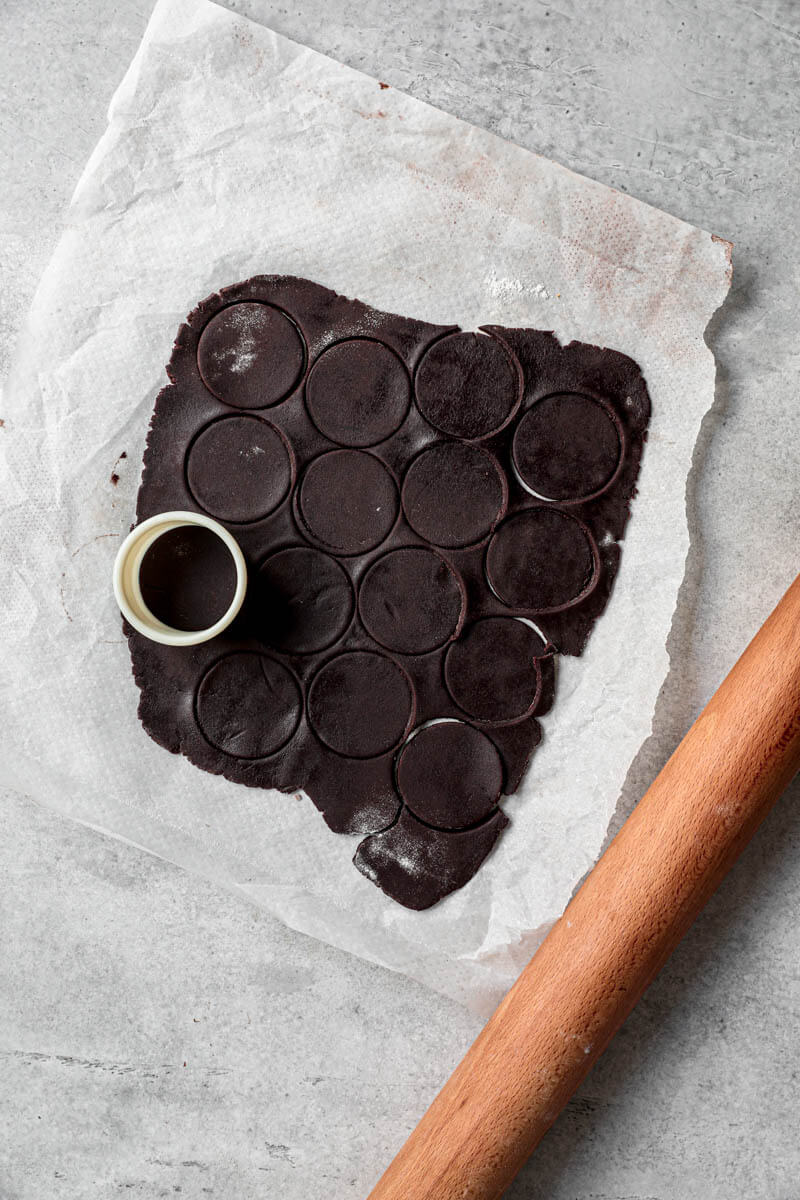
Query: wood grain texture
617, 932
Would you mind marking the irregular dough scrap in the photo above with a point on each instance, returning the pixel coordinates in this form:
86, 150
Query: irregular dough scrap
428, 518
417, 865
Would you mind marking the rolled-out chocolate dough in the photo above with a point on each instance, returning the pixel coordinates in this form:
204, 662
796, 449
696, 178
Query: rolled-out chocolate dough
429, 517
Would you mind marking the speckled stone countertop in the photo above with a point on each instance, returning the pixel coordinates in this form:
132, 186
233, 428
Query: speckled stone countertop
160, 1037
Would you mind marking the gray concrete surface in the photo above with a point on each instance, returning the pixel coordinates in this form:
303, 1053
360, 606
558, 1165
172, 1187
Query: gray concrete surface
158, 1036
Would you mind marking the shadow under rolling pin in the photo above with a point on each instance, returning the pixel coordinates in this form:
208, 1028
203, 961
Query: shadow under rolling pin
616, 933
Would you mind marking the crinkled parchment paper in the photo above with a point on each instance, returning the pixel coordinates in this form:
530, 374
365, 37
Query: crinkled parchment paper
231, 151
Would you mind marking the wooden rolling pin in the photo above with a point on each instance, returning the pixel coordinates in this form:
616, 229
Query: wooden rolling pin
617, 932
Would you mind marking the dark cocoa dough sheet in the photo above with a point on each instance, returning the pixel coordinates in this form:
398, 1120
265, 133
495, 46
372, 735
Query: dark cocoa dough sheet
407, 496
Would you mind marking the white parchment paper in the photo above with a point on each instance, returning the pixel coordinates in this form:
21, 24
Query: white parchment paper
232, 151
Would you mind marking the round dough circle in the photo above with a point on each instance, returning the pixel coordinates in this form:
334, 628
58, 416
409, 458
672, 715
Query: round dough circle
411, 600
568, 446
450, 775
360, 704
248, 705
491, 671
348, 500
542, 560
358, 392
250, 355
239, 469
305, 599
454, 493
468, 385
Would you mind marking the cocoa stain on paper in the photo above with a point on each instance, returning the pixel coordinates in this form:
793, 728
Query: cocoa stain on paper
115, 473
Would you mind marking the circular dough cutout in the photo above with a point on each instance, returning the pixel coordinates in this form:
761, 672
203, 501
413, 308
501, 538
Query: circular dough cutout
542, 560
492, 671
468, 385
411, 600
239, 469
454, 493
360, 704
450, 775
568, 447
358, 392
348, 501
250, 355
248, 705
305, 600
